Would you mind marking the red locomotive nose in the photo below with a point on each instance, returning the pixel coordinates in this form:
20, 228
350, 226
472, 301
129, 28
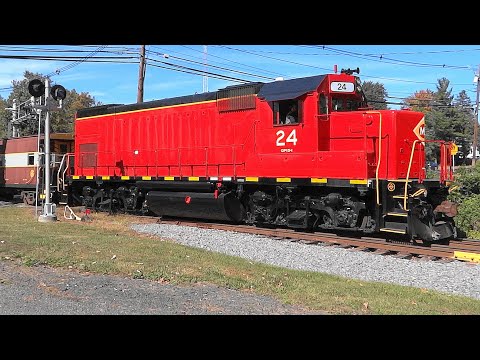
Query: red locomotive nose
188, 199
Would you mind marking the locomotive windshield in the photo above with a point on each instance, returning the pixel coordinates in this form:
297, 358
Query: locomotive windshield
346, 103
347, 96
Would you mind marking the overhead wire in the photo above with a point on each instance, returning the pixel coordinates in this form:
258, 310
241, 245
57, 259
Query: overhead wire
211, 66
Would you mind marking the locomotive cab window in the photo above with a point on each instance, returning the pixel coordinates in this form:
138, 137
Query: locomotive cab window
31, 159
286, 112
322, 105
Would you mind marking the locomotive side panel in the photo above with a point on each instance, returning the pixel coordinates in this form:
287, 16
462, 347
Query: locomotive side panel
177, 141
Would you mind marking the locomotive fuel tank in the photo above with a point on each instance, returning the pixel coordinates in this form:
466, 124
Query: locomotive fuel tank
224, 207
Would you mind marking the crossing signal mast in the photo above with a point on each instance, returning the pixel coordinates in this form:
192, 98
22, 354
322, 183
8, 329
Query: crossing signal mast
54, 97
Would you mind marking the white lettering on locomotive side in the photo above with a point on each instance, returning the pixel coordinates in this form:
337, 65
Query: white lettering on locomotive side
291, 138
286, 150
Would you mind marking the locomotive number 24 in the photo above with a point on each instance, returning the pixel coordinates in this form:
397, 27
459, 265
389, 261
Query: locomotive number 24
291, 138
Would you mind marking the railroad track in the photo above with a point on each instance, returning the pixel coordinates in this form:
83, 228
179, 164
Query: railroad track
459, 249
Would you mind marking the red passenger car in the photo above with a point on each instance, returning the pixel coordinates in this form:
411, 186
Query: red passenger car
20, 161
232, 155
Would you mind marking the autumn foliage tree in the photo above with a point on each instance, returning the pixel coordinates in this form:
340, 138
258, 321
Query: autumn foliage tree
420, 101
446, 117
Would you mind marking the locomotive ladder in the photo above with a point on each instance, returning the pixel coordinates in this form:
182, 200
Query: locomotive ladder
391, 216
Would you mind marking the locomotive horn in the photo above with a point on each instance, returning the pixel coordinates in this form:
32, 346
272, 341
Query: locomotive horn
350, 71
36, 88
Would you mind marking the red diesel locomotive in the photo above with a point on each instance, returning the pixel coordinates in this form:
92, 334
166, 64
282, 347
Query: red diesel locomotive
231, 155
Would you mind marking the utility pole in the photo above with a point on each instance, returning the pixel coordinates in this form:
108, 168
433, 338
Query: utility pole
141, 74
475, 122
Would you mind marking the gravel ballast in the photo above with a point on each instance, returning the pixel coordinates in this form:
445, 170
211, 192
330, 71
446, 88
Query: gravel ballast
458, 278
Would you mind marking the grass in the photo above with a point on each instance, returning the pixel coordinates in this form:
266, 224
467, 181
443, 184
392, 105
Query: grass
107, 245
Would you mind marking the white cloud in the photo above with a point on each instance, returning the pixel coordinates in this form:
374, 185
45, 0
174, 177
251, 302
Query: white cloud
97, 93
13, 69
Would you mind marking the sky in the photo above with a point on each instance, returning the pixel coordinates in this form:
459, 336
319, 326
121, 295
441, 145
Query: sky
110, 73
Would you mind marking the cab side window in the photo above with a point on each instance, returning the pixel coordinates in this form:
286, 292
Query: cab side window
322, 105
286, 112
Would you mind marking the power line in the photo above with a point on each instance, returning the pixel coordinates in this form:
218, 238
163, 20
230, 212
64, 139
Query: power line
317, 67
273, 58
210, 55
65, 68
194, 71
212, 66
390, 60
407, 52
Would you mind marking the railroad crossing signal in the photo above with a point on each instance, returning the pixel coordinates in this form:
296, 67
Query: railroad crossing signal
453, 148
37, 88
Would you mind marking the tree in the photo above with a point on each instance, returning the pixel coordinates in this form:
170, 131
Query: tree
420, 101
62, 121
448, 120
463, 122
445, 118
3, 118
21, 94
376, 95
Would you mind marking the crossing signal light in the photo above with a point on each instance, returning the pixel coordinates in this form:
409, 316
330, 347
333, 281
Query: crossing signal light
36, 88
58, 92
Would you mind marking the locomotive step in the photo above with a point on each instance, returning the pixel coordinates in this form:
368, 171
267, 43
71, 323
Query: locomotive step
396, 231
395, 225
402, 213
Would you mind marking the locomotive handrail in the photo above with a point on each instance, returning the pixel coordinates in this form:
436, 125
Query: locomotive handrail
62, 178
408, 175
444, 173
59, 179
379, 154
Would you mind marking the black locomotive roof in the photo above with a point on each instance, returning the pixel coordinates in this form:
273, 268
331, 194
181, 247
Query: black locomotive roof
290, 89
274, 91
118, 108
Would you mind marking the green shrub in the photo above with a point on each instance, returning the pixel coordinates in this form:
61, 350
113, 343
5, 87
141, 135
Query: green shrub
468, 218
466, 192
467, 183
